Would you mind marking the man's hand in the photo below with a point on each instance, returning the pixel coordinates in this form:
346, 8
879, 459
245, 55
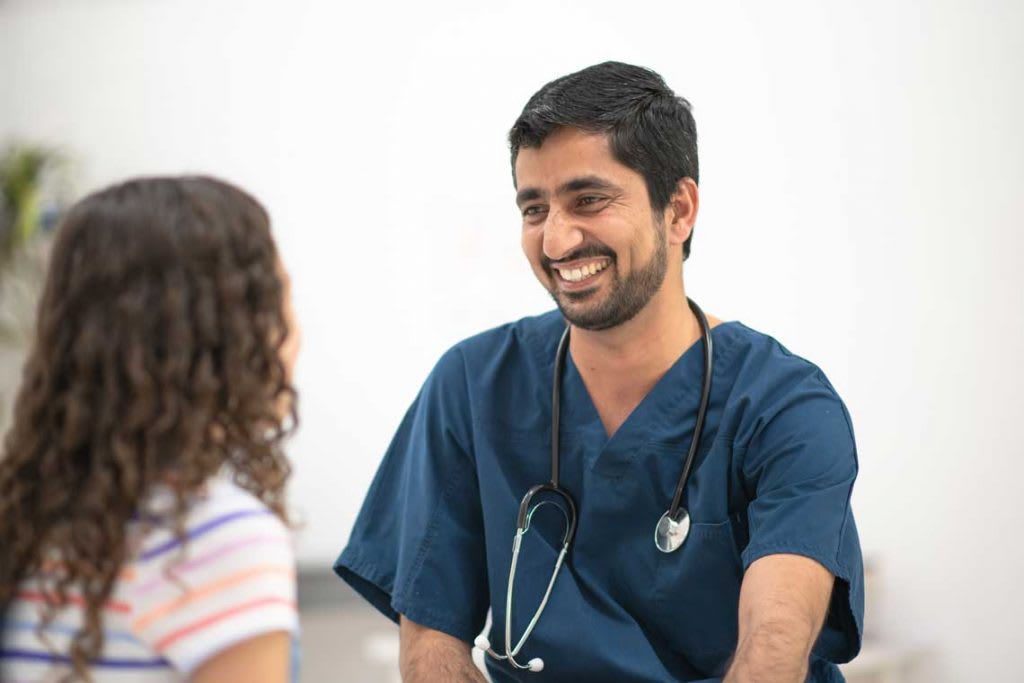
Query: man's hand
429, 656
783, 602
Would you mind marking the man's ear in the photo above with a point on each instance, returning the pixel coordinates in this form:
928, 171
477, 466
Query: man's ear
681, 212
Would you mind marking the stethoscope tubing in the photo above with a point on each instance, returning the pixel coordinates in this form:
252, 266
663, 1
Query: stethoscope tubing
705, 399
556, 403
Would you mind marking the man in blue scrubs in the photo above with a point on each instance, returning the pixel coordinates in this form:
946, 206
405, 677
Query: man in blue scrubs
767, 587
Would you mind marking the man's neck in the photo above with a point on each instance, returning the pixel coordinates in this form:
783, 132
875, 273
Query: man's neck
621, 365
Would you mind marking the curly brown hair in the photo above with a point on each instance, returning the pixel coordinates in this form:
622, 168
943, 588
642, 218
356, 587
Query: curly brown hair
156, 362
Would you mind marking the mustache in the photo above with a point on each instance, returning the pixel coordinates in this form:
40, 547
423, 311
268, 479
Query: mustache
591, 251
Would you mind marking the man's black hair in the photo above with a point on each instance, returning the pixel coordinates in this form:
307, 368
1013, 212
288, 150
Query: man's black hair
650, 129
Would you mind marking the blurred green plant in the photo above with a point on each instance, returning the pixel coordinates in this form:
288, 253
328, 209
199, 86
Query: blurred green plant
23, 175
33, 184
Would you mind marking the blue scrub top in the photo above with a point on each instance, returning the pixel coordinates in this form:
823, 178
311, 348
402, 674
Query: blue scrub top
773, 475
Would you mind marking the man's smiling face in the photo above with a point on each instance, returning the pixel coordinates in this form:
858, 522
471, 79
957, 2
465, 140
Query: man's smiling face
589, 232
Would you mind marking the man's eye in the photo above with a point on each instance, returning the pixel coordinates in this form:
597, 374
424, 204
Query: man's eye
533, 211
589, 200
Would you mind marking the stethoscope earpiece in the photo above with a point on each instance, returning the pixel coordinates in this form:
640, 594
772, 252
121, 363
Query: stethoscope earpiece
481, 643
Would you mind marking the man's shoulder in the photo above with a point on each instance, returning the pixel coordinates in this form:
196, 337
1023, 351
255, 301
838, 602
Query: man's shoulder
765, 382
524, 335
504, 355
752, 355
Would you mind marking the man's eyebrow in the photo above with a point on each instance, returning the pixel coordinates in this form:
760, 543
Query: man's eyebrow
527, 194
590, 182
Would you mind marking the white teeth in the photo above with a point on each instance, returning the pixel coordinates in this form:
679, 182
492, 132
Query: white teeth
577, 274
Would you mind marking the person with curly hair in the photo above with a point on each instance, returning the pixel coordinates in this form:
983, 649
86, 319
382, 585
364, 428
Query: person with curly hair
143, 526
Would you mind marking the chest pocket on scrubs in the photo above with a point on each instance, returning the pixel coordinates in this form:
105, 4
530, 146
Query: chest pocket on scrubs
696, 588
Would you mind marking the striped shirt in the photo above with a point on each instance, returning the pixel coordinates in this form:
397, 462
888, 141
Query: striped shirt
174, 605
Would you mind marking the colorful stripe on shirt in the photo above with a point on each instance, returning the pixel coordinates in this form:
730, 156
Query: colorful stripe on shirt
113, 663
207, 592
76, 600
174, 636
199, 530
203, 560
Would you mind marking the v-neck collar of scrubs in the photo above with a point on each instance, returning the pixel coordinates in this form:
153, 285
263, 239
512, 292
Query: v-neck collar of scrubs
674, 396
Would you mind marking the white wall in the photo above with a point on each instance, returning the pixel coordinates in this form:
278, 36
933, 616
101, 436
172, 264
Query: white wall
862, 167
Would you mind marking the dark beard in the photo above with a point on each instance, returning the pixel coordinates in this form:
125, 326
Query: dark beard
628, 296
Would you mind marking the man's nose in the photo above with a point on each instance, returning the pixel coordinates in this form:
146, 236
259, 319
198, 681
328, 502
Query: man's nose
561, 235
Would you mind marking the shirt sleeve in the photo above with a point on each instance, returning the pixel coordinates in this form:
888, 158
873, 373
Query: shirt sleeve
233, 579
417, 547
800, 466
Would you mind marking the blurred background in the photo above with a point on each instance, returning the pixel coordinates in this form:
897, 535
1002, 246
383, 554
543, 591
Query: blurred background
862, 167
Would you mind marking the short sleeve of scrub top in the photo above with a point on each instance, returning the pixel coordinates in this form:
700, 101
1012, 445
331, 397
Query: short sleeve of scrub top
799, 465
416, 548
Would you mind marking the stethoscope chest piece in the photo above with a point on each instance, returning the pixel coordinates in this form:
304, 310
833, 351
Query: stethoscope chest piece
672, 530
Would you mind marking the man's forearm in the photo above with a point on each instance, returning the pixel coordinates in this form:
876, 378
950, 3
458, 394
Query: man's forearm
429, 656
772, 653
434, 664
783, 602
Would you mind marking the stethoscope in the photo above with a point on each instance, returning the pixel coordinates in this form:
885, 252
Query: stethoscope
669, 534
